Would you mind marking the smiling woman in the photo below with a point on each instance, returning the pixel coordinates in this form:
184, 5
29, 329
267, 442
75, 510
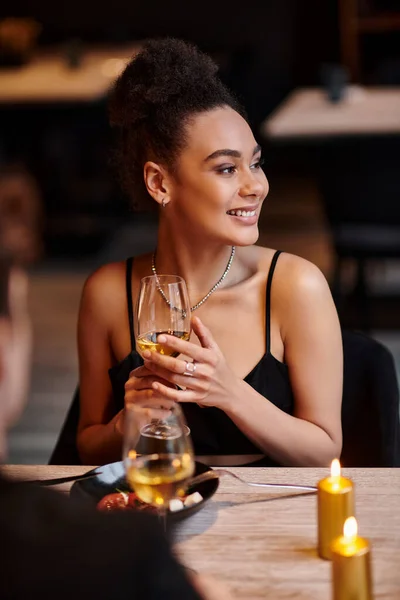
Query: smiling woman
262, 370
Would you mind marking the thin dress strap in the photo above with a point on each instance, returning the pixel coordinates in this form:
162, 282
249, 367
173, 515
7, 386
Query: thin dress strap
129, 263
268, 300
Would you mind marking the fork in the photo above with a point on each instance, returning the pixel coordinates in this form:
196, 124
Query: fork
68, 479
217, 473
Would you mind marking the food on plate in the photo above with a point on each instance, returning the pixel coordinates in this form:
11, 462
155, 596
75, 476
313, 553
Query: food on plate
121, 501
193, 499
129, 500
175, 504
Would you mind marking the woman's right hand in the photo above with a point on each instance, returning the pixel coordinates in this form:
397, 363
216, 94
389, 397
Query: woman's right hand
139, 389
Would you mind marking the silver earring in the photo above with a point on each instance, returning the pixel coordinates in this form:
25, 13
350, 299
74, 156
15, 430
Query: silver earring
164, 203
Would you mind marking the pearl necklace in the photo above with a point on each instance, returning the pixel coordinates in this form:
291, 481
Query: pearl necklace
214, 287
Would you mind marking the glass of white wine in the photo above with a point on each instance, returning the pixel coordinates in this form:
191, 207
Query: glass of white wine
157, 452
163, 307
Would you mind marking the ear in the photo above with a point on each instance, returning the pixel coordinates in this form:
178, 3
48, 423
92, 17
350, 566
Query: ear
157, 182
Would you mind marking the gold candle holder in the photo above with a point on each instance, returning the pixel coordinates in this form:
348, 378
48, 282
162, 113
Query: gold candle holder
335, 505
351, 565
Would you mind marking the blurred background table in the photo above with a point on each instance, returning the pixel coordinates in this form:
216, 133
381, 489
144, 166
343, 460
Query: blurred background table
308, 113
56, 76
263, 543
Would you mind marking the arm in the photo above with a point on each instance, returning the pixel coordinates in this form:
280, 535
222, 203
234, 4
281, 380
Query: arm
99, 439
313, 351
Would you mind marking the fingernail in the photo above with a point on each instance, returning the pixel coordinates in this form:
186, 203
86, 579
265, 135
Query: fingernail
162, 339
147, 354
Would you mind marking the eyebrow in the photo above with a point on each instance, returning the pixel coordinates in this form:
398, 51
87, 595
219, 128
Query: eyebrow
229, 152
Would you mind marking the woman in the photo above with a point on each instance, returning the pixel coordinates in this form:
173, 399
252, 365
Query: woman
266, 342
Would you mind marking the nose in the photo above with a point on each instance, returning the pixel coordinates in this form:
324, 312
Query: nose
253, 184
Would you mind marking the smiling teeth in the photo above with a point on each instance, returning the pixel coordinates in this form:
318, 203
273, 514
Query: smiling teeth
242, 213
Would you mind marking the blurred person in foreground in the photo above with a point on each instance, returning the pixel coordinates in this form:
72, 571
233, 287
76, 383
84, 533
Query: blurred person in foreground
52, 547
262, 371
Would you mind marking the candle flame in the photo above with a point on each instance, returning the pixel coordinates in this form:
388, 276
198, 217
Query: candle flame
335, 468
132, 454
350, 528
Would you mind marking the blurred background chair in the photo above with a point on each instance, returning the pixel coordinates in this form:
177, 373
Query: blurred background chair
65, 451
370, 409
360, 192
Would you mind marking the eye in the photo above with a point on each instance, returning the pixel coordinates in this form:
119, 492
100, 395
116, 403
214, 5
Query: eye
258, 164
226, 169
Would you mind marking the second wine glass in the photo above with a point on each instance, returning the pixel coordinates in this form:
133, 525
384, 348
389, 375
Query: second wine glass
158, 459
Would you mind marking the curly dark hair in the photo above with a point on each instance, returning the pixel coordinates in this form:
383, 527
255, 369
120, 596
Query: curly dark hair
161, 88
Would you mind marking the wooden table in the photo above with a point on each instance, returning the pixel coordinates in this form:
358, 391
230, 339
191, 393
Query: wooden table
48, 79
262, 544
308, 114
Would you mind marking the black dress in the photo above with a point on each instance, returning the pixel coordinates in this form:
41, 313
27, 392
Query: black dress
213, 432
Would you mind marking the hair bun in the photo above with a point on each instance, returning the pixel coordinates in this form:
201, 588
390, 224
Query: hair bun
163, 72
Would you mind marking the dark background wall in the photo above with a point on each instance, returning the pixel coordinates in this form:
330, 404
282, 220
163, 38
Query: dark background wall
265, 47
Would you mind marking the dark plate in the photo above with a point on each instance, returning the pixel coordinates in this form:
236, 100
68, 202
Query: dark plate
112, 479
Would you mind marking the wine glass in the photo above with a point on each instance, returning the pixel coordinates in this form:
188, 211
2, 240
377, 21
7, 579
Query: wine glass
157, 452
162, 307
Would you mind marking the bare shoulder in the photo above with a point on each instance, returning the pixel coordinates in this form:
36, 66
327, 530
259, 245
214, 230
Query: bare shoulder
301, 294
296, 280
292, 275
106, 281
104, 291
104, 296
299, 274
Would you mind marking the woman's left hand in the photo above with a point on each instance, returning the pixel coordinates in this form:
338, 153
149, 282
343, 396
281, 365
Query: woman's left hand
207, 380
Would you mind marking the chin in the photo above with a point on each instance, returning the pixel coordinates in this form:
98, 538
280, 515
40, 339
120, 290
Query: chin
246, 239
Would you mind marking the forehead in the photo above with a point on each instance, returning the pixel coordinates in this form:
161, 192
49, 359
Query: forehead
220, 128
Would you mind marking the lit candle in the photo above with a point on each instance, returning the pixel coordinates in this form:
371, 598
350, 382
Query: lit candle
351, 565
335, 505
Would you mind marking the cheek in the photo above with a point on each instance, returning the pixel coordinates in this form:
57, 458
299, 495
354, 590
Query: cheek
203, 198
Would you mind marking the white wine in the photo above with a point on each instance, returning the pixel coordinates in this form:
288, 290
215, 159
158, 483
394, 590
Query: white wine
158, 478
148, 341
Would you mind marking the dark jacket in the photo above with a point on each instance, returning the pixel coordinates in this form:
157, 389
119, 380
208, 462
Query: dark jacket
53, 548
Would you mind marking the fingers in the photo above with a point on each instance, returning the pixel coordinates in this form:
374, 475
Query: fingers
139, 372
200, 383
139, 396
176, 395
143, 383
146, 398
163, 365
180, 347
204, 334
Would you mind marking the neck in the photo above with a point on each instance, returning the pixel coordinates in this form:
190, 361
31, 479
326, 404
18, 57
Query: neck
200, 264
